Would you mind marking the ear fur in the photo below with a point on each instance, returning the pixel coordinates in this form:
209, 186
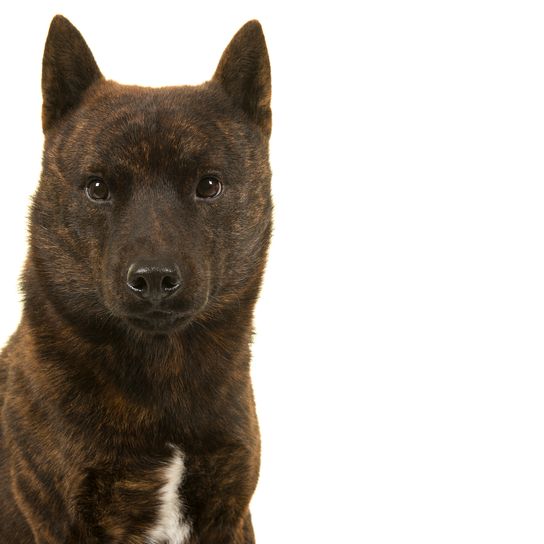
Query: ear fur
68, 70
244, 73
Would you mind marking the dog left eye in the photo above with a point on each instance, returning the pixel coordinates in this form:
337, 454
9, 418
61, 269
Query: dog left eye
209, 187
97, 189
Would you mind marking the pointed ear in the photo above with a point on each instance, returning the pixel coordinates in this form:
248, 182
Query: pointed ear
244, 73
68, 70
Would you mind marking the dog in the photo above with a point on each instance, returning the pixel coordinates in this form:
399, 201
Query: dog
127, 410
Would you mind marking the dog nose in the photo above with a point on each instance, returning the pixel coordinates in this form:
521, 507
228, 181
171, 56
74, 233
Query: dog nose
153, 280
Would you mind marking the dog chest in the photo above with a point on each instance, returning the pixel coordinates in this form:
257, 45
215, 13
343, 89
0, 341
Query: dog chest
171, 525
139, 500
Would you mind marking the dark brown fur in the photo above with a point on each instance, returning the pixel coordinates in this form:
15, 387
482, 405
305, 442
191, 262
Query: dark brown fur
90, 403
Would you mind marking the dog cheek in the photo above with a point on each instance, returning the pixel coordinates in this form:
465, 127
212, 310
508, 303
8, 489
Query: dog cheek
202, 283
111, 276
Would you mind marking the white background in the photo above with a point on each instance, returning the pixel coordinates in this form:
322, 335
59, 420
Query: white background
398, 364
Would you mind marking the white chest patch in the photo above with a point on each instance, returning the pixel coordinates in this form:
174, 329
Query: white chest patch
171, 526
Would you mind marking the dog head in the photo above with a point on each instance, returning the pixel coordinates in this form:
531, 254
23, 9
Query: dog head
154, 205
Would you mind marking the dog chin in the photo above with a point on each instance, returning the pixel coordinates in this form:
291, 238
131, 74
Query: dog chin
159, 322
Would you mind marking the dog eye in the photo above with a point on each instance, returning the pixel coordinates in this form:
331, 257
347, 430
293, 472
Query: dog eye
209, 187
97, 189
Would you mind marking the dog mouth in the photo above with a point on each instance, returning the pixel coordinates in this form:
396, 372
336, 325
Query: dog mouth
159, 321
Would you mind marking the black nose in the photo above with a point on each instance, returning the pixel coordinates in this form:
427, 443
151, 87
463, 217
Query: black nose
153, 280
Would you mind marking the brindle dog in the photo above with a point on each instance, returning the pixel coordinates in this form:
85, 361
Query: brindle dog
127, 412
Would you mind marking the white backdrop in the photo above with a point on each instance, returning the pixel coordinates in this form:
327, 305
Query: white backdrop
398, 363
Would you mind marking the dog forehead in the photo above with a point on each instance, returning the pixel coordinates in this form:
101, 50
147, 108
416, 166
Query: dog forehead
142, 122
189, 115
144, 134
158, 134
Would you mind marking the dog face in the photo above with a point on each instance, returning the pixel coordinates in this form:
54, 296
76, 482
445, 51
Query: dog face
154, 206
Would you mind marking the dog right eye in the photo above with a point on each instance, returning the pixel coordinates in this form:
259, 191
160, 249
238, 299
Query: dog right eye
209, 187
97, 189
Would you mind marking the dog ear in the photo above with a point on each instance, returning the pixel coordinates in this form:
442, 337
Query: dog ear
244, 73
68, 70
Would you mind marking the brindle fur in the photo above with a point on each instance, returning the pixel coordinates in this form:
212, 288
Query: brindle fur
89, 404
